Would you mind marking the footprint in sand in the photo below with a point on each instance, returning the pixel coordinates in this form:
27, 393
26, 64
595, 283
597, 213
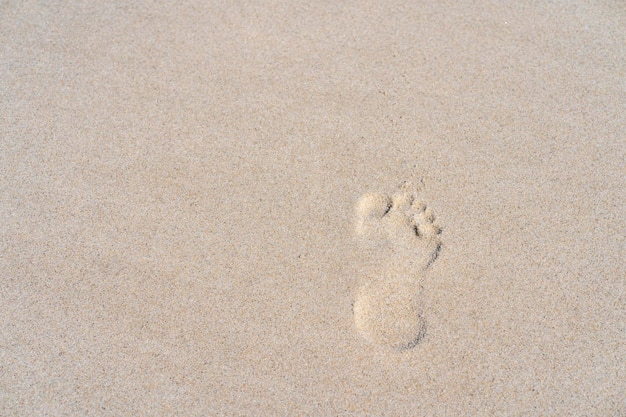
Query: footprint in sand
403, 241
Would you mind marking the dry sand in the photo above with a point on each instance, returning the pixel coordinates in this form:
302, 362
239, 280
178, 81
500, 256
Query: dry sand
178, 189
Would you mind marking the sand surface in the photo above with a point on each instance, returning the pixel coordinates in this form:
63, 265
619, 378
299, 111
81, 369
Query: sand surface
179, 183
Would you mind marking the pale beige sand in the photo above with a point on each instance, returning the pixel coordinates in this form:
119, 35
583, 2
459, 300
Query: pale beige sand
178, 182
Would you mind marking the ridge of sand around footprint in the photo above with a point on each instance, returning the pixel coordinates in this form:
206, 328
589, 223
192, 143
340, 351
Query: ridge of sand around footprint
401, 232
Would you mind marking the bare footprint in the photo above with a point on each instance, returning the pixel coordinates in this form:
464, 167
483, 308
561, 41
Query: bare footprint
403, 240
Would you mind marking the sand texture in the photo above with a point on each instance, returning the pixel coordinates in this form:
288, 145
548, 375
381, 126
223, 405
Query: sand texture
313, 208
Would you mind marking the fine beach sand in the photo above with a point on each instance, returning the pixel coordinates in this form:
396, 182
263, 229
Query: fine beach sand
335, 208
